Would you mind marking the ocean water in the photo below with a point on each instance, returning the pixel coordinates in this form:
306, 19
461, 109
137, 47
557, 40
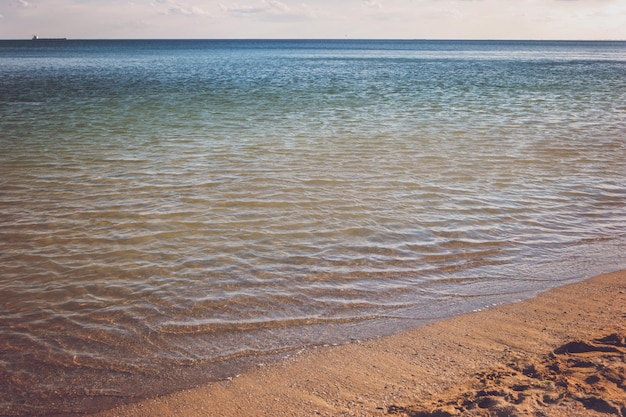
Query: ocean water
174, 211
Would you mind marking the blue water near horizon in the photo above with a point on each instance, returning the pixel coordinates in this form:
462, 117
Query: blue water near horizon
172, 210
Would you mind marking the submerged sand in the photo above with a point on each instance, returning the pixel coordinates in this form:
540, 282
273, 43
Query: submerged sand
562, 353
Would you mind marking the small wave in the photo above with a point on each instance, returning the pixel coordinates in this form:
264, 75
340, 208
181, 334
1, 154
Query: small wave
209, 326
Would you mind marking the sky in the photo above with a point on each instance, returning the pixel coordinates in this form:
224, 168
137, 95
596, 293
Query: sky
318, 19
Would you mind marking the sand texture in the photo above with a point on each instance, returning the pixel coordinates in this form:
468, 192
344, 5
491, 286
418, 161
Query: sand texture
562, 353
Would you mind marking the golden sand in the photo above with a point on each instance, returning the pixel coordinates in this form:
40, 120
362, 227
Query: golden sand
562, 353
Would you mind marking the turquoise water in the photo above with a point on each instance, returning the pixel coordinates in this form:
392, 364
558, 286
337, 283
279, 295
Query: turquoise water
173, 211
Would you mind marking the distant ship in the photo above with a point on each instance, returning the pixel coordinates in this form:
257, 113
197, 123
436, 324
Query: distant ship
37, 38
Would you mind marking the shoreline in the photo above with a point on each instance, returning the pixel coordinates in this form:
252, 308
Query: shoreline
501, 360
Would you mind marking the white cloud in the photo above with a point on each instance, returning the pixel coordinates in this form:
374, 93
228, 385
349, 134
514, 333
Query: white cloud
465, 19
277, 5
242, 9
172, 7
268, 9
193, 11
373, 4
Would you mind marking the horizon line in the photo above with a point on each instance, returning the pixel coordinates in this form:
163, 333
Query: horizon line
327, 39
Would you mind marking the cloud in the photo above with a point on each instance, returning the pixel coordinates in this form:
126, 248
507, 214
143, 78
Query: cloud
268, 9
242, 9
373, 4
172, 7
193, 11
277, 5
472, 19
264, 6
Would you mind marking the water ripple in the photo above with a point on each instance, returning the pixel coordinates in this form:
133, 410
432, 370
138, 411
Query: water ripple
162, 217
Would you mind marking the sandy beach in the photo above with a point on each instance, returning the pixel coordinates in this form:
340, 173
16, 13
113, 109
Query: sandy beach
173, 212
562, 353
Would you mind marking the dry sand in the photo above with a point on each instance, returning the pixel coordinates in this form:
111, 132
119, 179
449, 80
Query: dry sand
562, 353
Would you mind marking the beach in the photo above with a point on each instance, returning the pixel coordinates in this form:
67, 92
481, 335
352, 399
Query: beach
225, 203
561, 353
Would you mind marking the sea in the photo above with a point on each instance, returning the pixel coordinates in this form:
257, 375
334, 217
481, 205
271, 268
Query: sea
173, 212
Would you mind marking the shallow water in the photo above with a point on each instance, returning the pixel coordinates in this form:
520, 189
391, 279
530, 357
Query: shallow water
167, 207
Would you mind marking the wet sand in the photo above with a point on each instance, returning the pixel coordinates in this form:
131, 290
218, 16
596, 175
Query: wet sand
562, 353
